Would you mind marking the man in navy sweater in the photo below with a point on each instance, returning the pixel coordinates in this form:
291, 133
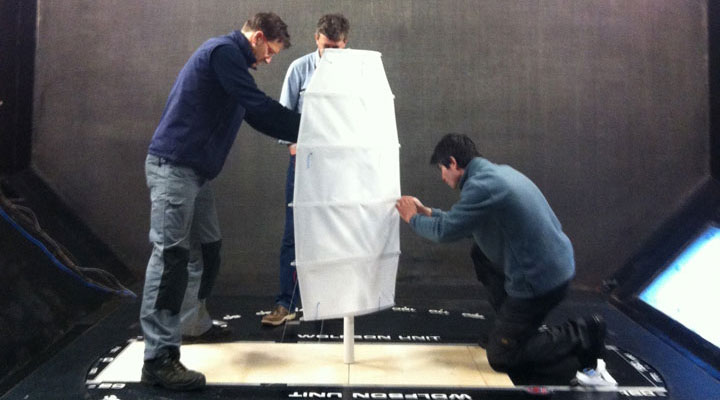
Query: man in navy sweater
211, 97
521, 256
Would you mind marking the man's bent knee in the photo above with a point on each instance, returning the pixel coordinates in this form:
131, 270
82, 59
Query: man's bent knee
503, 353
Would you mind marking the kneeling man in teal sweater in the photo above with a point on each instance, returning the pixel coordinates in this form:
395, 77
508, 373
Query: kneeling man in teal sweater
520, 254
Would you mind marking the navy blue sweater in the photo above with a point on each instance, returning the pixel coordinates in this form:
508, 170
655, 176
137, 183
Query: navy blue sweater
212, 95
511, 222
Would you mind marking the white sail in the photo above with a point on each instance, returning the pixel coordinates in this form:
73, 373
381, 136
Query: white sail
347, 178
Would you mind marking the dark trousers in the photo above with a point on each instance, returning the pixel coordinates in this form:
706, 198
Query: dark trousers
515, 343
289, 292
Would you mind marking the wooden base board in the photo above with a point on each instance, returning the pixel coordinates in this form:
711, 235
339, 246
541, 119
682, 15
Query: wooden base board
405, 365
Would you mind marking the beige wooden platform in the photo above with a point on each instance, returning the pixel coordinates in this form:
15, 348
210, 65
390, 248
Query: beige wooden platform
322, 364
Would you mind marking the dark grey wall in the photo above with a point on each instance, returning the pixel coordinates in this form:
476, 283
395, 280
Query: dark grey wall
604, 104
17, 46
714, 84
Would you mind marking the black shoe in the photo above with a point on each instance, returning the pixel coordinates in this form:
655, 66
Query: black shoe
218, 331
597, 330
168, 372
593, 346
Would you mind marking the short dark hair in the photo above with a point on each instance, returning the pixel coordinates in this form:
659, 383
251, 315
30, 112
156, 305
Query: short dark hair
335, 26
456, 145
272, 26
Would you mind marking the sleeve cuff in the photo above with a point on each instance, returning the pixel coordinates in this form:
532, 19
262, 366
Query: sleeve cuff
413, 219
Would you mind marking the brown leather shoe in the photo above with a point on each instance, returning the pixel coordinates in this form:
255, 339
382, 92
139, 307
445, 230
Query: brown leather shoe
278, 316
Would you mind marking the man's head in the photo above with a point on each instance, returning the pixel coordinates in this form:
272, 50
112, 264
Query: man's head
267, 34
452, 154
332, 32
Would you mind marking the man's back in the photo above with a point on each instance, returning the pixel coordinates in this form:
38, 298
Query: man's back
516, 228
201, 118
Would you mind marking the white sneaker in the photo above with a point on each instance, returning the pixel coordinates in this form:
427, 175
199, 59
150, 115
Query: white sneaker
595, 377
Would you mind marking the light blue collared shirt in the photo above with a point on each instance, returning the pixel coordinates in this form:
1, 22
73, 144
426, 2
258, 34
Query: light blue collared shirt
297, 79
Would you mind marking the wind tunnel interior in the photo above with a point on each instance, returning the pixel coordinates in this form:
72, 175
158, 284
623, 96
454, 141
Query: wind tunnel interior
611, 108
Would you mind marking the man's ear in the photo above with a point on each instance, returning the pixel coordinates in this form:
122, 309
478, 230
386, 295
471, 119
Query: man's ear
257, 35
453, 163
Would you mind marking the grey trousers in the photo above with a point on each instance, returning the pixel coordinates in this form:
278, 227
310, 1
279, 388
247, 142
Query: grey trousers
185, 259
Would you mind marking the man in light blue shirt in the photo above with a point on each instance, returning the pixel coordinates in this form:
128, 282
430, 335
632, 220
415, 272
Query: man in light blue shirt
332, 33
